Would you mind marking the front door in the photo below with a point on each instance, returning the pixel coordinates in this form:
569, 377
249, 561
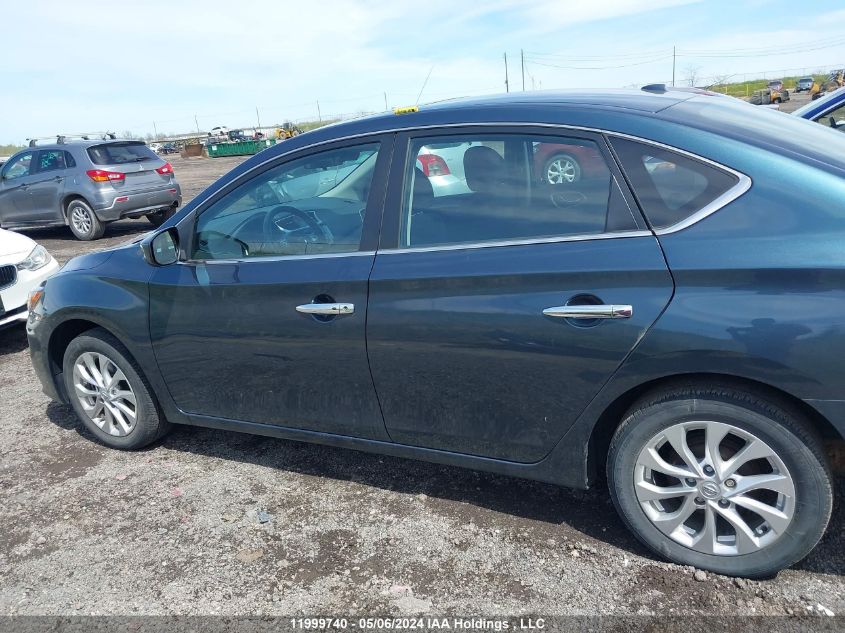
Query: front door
15, 180
265, 322
505, 301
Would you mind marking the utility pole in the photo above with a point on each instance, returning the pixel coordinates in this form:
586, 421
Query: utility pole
198, 123
522, 61
319, 115
257, 118
155, 129
507, 87
673, 66
385, 103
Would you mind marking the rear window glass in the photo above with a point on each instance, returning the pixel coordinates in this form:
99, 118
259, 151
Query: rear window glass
669, 186
120, 153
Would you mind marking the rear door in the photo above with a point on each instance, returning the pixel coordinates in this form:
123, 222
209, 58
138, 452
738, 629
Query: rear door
497, 314
48, 184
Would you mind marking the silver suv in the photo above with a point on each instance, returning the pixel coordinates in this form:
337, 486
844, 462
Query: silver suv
85, 184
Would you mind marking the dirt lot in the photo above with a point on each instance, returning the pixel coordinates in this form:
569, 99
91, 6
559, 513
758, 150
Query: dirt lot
179, 528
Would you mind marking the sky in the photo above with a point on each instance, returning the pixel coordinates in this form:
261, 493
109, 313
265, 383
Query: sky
174, 65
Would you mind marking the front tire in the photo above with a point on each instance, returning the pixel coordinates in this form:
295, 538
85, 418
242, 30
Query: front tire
109, 394
720, 478
83, 222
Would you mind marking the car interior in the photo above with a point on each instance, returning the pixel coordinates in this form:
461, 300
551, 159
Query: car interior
508, 201
309, 206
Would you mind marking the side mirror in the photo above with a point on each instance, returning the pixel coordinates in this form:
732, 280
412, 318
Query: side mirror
162, 248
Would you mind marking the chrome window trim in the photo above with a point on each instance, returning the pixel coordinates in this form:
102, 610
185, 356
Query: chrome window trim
743, 185
586, 237
276, 258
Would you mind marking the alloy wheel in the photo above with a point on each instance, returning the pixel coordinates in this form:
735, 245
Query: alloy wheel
714, 488
81, 219
562, 169
105, 394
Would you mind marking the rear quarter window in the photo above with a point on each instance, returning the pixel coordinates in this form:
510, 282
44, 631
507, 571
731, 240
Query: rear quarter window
669, 186
120, 153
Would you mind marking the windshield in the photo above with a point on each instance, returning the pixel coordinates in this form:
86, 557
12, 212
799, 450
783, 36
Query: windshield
120, 153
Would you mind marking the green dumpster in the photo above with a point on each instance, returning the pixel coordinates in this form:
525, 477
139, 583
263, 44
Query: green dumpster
238, 148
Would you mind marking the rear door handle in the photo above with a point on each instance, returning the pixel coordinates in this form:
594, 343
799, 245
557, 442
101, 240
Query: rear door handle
332, 309
591, 312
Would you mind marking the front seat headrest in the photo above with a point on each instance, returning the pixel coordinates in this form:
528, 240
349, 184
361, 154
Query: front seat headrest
484, 169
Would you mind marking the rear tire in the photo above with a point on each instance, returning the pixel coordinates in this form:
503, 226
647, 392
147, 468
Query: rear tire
160, 217
721, 531
83, 222
108, 392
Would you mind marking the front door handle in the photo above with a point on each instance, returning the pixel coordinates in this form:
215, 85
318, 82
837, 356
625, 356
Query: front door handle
329, 309
590, 312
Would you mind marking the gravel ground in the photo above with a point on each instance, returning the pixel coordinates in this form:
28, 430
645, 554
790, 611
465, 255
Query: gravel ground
209, 522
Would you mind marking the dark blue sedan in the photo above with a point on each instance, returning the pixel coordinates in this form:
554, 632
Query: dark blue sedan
669, 318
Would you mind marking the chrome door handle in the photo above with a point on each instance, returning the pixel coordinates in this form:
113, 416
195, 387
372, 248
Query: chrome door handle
333, 309
590, 312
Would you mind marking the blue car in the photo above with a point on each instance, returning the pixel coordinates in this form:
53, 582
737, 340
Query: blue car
671, 324
828, 110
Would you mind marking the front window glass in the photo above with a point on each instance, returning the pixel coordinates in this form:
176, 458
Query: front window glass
19, 167
506, 187
309, 205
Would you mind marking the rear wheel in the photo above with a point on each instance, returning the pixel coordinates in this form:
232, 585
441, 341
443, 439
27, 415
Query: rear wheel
83, 222
721, 479
108, 393
160, 217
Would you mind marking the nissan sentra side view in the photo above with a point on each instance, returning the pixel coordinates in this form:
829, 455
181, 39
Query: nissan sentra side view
671, 322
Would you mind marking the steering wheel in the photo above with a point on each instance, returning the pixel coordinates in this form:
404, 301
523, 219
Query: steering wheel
292, 225
567, 198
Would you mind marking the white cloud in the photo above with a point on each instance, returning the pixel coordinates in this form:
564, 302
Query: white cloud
85, 65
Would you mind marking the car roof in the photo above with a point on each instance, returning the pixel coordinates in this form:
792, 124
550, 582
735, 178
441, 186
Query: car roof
539, 106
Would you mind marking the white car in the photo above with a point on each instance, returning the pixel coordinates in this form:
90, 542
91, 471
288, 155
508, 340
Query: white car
24, 265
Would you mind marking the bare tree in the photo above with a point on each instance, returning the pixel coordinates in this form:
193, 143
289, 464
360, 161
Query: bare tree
719, 80
691, 75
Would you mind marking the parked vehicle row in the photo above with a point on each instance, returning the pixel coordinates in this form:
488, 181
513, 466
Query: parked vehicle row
85, 184
443, 284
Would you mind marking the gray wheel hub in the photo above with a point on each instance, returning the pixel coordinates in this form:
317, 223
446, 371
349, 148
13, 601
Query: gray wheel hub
714, 488
81, 219
562, 169
105, 394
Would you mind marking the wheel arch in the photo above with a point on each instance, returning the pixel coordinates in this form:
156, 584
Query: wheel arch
67, 199
612, 415
63, 334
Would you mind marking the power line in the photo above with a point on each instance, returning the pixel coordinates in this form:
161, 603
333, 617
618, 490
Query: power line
641, 63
